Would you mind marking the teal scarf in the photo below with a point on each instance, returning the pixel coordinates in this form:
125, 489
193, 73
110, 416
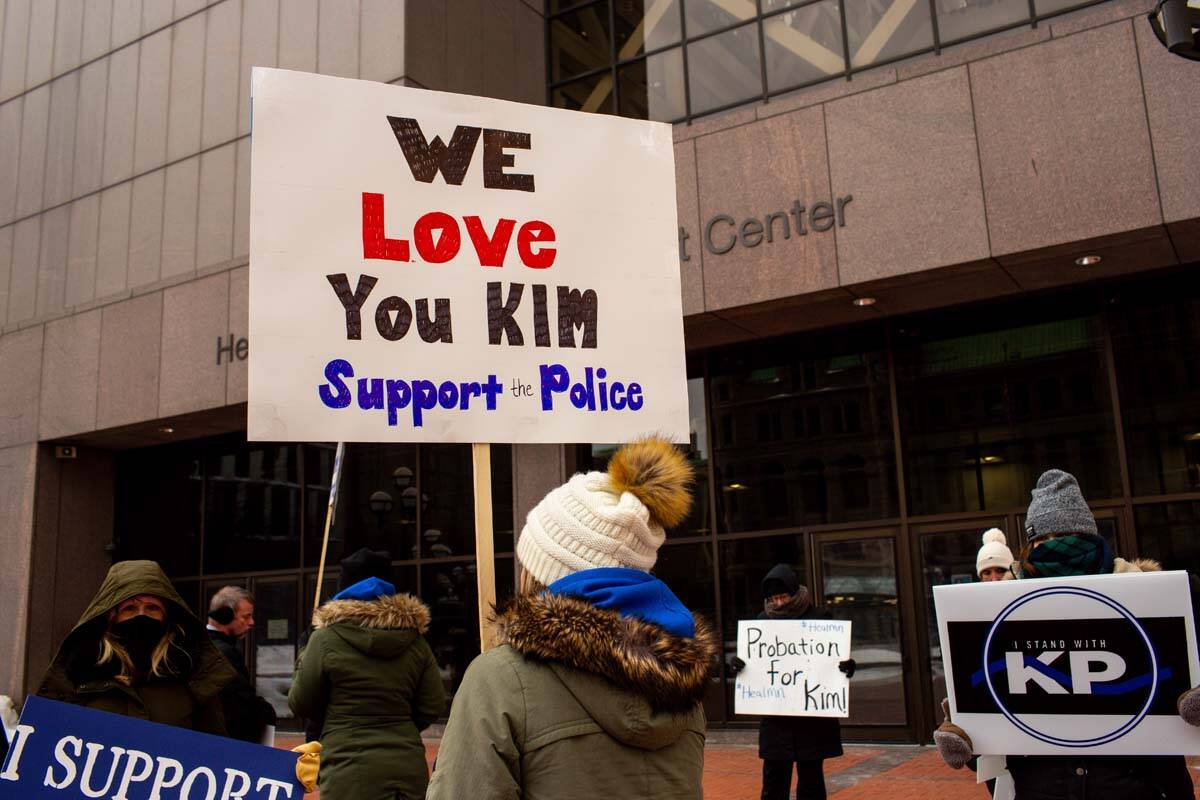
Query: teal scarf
1069, 556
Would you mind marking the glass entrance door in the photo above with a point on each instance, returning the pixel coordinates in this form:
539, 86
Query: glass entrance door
861, 579
946, 554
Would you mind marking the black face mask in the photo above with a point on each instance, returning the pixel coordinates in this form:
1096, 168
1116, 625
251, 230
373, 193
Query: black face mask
139, 636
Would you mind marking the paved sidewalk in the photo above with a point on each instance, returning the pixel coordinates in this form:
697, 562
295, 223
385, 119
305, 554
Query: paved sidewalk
865, 772
733, 772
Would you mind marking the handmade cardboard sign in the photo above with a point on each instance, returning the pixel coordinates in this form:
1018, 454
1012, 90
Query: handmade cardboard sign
792, 668
1091, 664
442, 268
64, 751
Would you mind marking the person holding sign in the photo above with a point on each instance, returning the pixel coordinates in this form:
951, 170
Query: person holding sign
803, 741
369, 675
139, 652
1063, 541
597, 684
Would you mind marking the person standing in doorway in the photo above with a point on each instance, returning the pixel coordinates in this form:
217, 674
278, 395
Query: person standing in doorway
230, 618
994, 560
803, 741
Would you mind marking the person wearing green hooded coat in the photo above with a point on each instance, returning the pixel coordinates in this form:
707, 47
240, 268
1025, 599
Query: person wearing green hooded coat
138, 651
371, 676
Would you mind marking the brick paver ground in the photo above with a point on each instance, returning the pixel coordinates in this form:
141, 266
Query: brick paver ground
868, 772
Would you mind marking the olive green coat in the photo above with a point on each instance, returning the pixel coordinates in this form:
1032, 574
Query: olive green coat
578, 703
188, 699
369, 672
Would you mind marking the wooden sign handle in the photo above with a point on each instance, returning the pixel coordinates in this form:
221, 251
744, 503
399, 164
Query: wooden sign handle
485, 557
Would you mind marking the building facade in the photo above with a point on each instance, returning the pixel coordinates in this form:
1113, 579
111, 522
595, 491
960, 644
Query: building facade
928, 248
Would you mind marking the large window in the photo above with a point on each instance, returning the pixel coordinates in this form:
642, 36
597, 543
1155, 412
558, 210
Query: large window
1156, 346
988, 402
675, 60
226, 511
802, 433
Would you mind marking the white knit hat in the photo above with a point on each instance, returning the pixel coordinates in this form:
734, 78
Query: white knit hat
608, 519
994, 553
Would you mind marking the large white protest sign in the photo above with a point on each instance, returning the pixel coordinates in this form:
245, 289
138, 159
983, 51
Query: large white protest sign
445, 268
792, 668
1091, 664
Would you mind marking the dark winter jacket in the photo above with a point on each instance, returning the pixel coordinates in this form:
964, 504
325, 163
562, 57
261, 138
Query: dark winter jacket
368, 672
797, 738
188, 699
578, 702
1072, 777
246, 714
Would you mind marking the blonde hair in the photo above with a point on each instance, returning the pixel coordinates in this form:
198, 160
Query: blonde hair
160, 662
529, 584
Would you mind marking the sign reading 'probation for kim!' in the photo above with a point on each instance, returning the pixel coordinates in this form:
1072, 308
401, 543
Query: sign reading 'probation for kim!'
792, 668
443, 268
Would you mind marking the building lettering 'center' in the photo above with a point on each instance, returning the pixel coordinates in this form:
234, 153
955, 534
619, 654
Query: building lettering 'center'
722, 232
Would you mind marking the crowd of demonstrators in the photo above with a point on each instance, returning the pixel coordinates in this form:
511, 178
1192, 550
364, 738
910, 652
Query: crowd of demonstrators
230, 618
138, 651
597, 680
369, 675
1063, 541
597, 683
803, 741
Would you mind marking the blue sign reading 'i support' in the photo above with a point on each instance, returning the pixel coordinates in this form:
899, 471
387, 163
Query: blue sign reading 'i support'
65, 752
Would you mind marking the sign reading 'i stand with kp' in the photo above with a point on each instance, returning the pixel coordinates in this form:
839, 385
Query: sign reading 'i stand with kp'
442, 268
1093, 664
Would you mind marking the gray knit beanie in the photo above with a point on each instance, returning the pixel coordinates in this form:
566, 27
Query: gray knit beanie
1057, 506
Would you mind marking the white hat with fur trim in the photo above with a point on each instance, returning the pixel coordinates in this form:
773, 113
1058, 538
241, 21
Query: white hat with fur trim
994, 553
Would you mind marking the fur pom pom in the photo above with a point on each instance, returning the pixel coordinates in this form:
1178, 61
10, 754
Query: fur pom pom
657, 474
953, 745
994, 535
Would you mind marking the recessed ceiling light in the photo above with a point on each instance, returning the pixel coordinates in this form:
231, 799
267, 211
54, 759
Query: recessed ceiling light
166, 429
1088, 261
863, 302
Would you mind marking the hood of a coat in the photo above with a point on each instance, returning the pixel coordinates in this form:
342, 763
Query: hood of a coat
382, 628
627, 717
1121, 566
785, 575
74, 663
670, 673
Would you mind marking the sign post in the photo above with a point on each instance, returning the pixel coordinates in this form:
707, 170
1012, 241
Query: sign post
485, 558
1074, 665
430, 267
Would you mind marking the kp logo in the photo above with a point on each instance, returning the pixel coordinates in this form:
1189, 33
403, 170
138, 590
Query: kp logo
1061, 653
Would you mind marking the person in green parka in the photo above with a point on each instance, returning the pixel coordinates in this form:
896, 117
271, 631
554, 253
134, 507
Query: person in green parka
138, 651
595, 690
370, 674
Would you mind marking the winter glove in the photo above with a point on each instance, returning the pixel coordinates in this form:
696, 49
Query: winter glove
735, 665
953, 744
308, 764
1189, 706
847, 667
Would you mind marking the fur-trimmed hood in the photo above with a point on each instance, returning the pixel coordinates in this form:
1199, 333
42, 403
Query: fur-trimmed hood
1121, 566
383, 628
382, 613
670, 672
